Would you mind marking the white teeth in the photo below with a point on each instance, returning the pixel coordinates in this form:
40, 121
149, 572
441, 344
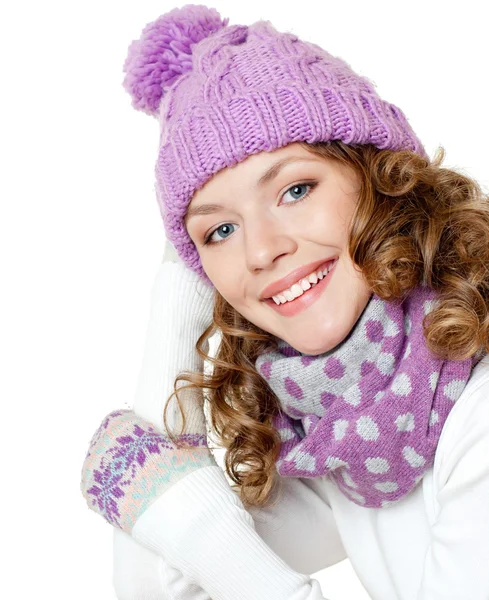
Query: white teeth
296, 290
301, 286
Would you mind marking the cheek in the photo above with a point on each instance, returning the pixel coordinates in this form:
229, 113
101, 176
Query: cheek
347, 208
224, 278
327, 225
336, 220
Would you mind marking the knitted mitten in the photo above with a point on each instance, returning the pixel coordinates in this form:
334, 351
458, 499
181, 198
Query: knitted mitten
131, 460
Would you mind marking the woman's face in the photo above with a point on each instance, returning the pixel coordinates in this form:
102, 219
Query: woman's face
297, 217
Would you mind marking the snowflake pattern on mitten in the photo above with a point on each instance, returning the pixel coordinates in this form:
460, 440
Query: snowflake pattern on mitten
128, 465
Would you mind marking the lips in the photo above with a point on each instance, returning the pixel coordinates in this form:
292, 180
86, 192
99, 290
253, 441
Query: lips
293, 277
304, 301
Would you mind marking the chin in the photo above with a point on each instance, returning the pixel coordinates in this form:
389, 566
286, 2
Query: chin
311, 351
307, 348
319, 345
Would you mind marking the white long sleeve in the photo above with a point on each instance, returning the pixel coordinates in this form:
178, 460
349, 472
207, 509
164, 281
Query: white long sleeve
140, 574
456, 564
163, 344
202, 529
171, 335
299, 528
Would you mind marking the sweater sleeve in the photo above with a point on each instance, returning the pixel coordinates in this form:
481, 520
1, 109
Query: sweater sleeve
301, 527
456, 563
300, 516
216, 514
140, 574
202, 529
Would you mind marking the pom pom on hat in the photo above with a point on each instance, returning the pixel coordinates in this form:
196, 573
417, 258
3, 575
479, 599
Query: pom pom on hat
164, 52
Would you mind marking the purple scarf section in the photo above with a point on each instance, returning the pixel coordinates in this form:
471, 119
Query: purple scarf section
369, 412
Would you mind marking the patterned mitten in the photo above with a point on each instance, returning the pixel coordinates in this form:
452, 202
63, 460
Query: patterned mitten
131, 461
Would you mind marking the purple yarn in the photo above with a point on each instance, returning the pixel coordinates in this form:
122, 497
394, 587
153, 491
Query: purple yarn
224, 92
369, 412
163, 53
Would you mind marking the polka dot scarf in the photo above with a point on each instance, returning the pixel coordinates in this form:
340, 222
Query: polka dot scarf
369, 412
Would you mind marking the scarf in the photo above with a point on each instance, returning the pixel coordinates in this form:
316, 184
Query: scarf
369, 412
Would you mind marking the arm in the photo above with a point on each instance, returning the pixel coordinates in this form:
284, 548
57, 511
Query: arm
140, 574
301, 508
456, 564
128, 463
300, 516
300, 527
202, 529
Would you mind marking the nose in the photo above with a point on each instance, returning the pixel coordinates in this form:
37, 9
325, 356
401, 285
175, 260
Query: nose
265, 240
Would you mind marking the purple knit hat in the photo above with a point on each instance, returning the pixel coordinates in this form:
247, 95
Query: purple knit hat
222, 93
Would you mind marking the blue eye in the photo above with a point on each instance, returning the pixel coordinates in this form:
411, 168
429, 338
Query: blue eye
221, 227
298, 187
226, 226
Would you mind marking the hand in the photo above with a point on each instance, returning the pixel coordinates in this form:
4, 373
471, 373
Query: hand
131, 460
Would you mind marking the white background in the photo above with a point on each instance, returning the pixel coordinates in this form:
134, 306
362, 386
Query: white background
81, 236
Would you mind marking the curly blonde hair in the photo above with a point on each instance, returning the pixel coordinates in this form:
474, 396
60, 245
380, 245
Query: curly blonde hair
415, 221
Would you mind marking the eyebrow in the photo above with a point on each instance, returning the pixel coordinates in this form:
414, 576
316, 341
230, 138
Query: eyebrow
269, 175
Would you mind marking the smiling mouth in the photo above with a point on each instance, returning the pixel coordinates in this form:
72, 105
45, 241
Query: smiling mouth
302, 285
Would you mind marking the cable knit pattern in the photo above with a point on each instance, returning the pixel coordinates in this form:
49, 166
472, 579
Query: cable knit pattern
231, 91
129, 465
369, 412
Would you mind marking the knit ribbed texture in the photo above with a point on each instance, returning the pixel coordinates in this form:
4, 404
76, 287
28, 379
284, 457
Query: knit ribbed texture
370, 411
131, 460
181, 308
199, 544
243, 90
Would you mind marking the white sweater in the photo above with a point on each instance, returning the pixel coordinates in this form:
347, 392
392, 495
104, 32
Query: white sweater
433, 545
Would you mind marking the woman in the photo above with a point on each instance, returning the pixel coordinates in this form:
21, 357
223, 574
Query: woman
345, 274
